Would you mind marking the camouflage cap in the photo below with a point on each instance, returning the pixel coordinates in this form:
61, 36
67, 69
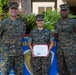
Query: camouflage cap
13, 5
40, 17
64, 7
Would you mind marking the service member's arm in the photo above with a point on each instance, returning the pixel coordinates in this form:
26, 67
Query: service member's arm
56, 31
30, 41
51, 45
75, 26
1, 30
51, 42
30, 45
24, 27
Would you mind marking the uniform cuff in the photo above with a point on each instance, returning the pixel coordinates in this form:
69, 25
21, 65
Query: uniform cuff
29, 39
51, 39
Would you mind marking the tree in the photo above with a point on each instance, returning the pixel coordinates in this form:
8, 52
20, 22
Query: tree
3, 7
26, 6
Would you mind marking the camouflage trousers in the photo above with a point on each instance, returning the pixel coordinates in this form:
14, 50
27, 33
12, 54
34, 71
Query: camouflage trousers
41, 65
67, 61
12, 61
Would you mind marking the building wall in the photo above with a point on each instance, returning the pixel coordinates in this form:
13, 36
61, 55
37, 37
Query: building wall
54, 4
36, 5
29, 6
26, 6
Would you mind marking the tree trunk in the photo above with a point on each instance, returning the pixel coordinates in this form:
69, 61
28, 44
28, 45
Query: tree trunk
26, 6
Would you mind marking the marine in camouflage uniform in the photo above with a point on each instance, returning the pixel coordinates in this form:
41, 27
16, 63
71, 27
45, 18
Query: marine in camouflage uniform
40, 65
11, 32
66, 29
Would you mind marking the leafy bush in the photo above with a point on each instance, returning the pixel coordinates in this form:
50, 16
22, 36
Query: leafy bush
29, 20
4, 15
3, 9
51, 17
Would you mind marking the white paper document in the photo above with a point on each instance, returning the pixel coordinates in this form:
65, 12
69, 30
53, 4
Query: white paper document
40, 50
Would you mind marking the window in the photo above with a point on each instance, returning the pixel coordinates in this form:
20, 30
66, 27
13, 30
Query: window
43, 9
48, 8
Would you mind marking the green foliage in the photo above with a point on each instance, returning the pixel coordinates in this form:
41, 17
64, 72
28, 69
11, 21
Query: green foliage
4, 15
30, 22
51, 17
3, 3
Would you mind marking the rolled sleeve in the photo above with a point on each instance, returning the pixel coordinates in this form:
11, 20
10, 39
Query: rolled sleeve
52, 38
29, 39
56, 29
24, 28
1, 28
74, 26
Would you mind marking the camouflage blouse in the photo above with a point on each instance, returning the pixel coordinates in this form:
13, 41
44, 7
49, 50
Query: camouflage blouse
11, 37
66, 32
40, 36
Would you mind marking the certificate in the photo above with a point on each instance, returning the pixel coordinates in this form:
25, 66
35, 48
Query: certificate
40, 50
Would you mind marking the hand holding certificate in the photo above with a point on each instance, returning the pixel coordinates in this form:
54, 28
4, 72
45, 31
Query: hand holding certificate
40, 51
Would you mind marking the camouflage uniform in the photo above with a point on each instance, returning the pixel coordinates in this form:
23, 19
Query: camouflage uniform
11, 46
67, 46
40, 65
